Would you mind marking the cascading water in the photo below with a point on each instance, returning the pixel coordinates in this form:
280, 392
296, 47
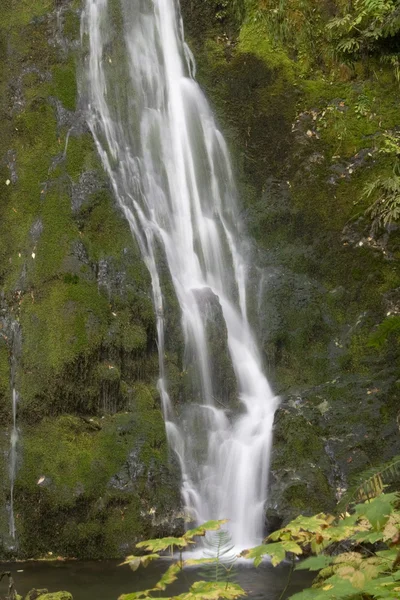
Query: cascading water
171, 173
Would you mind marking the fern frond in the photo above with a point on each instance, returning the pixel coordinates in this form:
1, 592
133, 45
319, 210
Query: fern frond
371, 483
218, 545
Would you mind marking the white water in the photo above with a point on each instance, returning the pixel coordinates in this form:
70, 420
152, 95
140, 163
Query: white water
172, 176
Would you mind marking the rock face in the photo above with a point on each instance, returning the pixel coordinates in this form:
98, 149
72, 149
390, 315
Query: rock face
93, 475
93, 470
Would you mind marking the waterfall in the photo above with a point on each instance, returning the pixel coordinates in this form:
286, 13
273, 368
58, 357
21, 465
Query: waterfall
170, 169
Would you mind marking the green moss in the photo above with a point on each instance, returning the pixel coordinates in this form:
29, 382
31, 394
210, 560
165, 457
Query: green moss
72, 23
301, 441
5, 392
64, 85
129, 335
76, 458
12, 17
122, 528
69, 468
106, 371
55, 240
83, 311
36, 139
81, 155
254, 39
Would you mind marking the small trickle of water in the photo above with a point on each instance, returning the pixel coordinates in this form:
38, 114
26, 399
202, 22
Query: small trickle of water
171, 173
13, 460
15, 338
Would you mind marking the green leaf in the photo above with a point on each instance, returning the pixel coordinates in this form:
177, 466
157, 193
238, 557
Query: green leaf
258, 552
371, 537
202, 529
314, 563
136, 561
277, 552
307, 524
377, 511
163, 544
137, 595
199, 561
169, 577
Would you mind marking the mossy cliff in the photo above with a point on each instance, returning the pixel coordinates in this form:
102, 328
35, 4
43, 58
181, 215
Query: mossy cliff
93, 469
307, 134
308, 130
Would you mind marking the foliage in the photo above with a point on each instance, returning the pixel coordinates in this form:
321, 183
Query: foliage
295, 24
200, 590
386, 206
367, 27
355, 573
218, 545
385, 190
371, 483
388, 329
225, 9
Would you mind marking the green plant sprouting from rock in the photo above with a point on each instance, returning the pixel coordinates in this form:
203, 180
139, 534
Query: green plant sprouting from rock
368, 27
385, 190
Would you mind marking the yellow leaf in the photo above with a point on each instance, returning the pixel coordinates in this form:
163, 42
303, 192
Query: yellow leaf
327, 587
358, 580
346, 572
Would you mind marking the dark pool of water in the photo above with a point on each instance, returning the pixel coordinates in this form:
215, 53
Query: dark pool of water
106, 580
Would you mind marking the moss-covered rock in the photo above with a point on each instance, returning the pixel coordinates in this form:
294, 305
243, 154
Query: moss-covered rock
94, 473
55, 596
93, 487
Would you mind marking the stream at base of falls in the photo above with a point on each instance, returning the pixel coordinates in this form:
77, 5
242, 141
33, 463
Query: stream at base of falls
105, 580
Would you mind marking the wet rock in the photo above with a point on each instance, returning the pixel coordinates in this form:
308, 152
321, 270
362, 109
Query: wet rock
34, 594
126, 480
17, 86
89, 182
222, 374
11, 160
346, 169
36, 230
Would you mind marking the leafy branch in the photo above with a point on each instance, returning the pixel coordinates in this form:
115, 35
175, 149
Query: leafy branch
351, 575
200, 590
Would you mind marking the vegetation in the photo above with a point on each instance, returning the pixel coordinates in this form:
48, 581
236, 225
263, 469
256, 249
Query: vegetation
357, 556
368, 27
355, 553
200, 590
385, 190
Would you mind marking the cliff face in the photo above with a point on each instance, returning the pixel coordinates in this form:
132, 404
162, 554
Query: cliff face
93, 473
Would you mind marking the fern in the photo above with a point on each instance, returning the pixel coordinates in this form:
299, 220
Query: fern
388, 328
363, 28
386, 207
371, 483
218, 546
